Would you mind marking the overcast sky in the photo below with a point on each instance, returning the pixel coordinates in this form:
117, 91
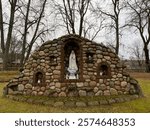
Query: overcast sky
127, 39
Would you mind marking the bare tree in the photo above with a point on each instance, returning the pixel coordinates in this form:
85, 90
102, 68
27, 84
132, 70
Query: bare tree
140, 20
31, 17
75, 17
5, 45
137, 53
113, 13
83, 6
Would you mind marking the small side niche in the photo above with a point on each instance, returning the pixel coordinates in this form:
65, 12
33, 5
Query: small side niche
90, 58
103, 71
39, 78
53, 60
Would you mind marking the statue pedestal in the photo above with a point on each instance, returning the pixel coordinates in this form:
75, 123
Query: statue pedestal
72, 74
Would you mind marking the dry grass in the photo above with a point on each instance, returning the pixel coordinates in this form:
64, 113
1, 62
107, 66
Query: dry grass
140, 75
5, 76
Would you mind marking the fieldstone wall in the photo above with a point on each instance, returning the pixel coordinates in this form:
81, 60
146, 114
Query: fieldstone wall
47, 61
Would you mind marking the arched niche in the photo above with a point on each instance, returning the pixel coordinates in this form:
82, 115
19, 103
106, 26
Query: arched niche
103, 70
68, 47
39, 78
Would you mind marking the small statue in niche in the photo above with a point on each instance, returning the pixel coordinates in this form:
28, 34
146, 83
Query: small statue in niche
72, 69
103, 70
39, 78
89, 57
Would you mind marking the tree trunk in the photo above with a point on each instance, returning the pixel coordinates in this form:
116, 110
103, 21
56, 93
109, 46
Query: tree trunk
25, 36
1, 29
147, 63
9, 35
117, 37
81, 26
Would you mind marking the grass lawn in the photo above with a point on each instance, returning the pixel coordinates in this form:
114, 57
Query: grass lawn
139, 105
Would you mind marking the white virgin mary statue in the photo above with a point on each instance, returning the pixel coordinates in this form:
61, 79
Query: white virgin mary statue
72, 69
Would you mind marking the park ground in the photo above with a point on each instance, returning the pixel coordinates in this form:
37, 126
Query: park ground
141, 105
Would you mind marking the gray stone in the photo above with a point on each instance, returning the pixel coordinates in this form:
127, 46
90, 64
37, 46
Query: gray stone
111, 83
107, 57
56, 72
58, 85
99, 93
28, 86
30, 100
43, 88
103, 102
113, 91
81, 104
95, 89
20, 87
90, 94
10, 91
82, 93
41, 53
79, 84
58, 104
40, 93
93, 83
86, 84
93, 103
101, 81
106, 92
49, 103
123, 84
70, 104
111, 101
118, 100
62, 94
34, 93
133, 81
119, 75
103, 87
117, 87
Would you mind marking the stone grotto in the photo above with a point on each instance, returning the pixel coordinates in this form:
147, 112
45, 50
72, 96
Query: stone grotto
73, 66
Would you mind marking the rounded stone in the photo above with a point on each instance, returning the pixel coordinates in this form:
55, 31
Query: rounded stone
103, 86
113, 91
119, 75
62, 94
82, 93
95, 89
41, 53
20, 87
117, 87
101, 81
43, 88
117, 82
40, 93
100, 92
93, 103
123, 84
80, 104
106, 92
58, 104
58, 85
28, 86
86, 84
79, 84
93, 83
34, 93
56, 72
